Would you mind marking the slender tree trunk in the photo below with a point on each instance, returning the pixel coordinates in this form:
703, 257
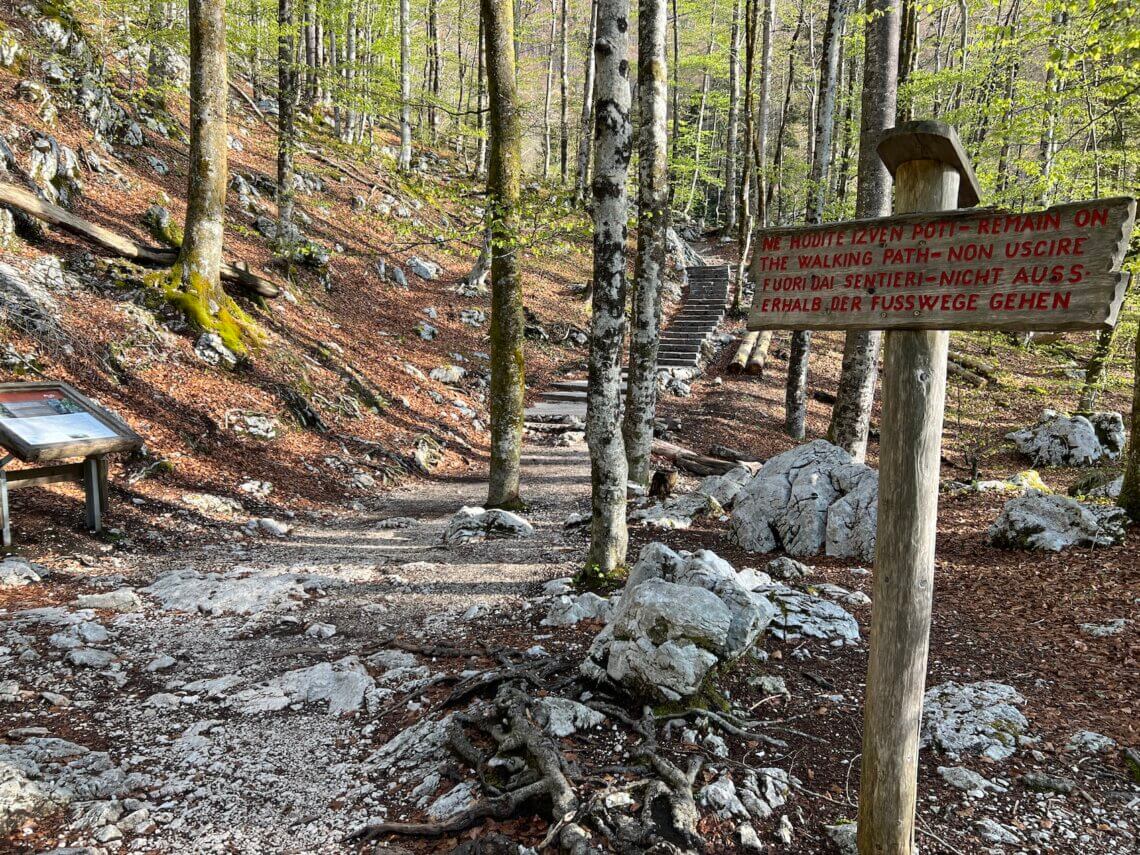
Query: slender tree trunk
434, 70
608, 535
564, 94
652, 222
675, 134
405, 163
1095, 370
763, 108
730, 161
255, 49
1130, 492
795, 398
286, 130
481, 89
908, 54
158, 20
774, 186
586, 132
699, 138
549, 91
508, 381
851, 415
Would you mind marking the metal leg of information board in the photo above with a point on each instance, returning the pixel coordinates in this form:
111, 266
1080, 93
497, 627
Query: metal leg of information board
93, 494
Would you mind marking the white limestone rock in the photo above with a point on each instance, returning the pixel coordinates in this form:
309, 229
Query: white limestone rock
241, 591
213, 351
973, 718
1037, 521
343, 684
1059, 439
677, 512
122, 600
561, 716
968, 780
809, 500
679, 616
724, 488
800, 614
427, 270
15, 572
567, 610
1090, 742
474, 523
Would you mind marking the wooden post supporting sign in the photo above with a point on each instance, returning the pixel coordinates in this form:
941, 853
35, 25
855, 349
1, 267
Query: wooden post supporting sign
927, 269
914, 396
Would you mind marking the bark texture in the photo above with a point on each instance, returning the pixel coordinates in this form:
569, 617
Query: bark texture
286, 130
200, 260
851, 414
795, 398
1130, 492
612, 144
584, 141
652, 221
405, 86
508, 381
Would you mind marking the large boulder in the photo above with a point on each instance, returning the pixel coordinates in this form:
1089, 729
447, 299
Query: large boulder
1039, 521
1059, 439
680, 616
809, 500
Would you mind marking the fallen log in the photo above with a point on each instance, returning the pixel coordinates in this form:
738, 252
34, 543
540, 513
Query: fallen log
699, 464
965, 375
740, 360
121, 246
974, 364
759, 356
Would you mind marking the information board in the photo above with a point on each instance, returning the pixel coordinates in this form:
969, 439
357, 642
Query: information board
1056, 269
52, 421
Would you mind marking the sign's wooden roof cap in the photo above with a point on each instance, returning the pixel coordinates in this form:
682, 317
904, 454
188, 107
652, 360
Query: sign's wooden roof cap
930, 140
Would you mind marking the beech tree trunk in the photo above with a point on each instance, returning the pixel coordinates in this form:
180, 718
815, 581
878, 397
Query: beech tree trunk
763, 109
1130, 492
405, 163
286, 131
612, 143
730, 159
508, 381
652, 222
548, 93
481, 100
795, 398
564, 94
851, 414
200, 258
586, 131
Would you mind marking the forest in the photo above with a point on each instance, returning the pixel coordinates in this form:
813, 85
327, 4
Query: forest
492, 427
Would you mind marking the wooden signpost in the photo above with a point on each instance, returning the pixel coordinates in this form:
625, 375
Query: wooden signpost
927, 270
50, 422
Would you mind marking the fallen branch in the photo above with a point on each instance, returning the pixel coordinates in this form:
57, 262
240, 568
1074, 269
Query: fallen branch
121, 246
728, 726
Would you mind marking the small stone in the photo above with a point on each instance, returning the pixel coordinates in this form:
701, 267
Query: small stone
749, 841
320, 630
15, 572
122, 600
968, 780
88, 657
1090, 742
995, 832
1043, 782
161, 663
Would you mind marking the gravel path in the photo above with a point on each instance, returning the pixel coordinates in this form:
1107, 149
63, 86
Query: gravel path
217, 750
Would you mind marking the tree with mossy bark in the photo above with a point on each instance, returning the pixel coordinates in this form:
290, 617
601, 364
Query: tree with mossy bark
194, 283
508, 378
612, 147
652, 222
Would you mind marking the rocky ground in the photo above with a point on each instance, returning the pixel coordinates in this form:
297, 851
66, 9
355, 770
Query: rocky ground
284, 693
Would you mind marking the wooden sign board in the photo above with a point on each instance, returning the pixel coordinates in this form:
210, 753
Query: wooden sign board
52, 421
1057, 269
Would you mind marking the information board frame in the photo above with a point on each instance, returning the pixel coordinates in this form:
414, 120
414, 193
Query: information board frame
123, 439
